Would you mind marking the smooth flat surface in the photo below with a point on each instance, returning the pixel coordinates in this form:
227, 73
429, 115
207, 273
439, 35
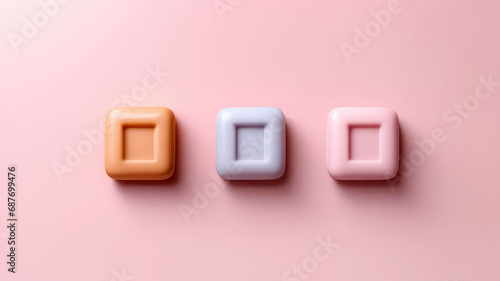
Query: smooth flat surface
364, 142
441, 223
250, 144
138, 143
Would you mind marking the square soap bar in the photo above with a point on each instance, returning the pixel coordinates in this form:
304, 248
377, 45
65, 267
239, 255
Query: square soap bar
250, 143
140, 143
363, 143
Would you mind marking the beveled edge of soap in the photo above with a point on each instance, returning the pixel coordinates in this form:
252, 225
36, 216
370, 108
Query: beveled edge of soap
163, 165
227, 166
339, 167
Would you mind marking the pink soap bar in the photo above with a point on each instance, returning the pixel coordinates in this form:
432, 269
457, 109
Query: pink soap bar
363, 143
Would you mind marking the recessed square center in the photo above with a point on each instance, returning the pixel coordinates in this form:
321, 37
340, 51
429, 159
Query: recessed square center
250, 143
364, 142
138, 143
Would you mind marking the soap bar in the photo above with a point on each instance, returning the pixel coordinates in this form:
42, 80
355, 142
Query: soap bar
140, 143
250, 143
363, 143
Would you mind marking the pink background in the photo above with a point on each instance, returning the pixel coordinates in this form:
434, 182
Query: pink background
441, 223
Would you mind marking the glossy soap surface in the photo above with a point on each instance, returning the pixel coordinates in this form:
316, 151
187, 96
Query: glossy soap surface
251, 143
363, 143
140, 143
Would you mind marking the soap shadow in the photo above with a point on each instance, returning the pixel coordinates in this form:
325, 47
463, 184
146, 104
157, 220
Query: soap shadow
394, 185
170, 183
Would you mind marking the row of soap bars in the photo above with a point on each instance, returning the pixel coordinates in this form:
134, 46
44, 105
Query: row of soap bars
251, 143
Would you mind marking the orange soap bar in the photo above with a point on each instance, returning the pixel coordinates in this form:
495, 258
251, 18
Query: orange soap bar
140, 143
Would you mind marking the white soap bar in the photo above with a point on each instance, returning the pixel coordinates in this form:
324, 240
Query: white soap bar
251, 143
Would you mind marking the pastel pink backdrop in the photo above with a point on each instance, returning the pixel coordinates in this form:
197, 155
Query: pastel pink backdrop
441, 223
